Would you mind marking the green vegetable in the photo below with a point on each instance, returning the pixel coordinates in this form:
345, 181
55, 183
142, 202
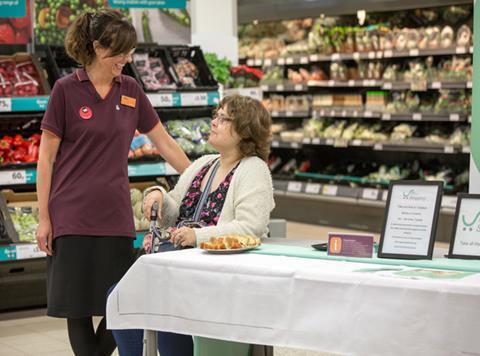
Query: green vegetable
220, 67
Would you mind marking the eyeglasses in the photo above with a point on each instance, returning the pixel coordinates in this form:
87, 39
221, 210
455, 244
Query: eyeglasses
222, 119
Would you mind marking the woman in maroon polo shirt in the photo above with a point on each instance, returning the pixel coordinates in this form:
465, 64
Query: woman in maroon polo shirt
86, 220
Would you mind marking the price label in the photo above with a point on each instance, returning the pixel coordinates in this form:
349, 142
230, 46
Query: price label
355, 113
295, 187
449, 149
370, 194
29, 251
306, 141
454, 117
356, 56
264, 87
267, 62
387, 86
413, 52
331, 83
255, 93
314, 57
378, 147
469, 85
461, 50
194, 99
250, 62
275, 113
466, 149
275, 144
417, 117
333, 113
371, 55
280, 87
388, 53
5, 104
368, 114
298, 87
339, 142
436, 85
294, 145
303, 60
330, 142
281, 61
369, 83
471, 49
13, 177
386, 116
289, 114
357, 142
312, 188
336, 57
344, 113
289, 60
258, 62
330, 190
351, 83
316, 141
379, 54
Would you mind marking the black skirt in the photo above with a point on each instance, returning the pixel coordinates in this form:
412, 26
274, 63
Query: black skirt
82, 270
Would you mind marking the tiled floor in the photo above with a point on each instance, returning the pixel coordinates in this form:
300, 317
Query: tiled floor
32, 333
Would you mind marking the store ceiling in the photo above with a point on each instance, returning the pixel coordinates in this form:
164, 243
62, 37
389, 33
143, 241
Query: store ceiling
269, 10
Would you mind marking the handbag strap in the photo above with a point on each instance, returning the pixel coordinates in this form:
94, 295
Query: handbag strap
206, 191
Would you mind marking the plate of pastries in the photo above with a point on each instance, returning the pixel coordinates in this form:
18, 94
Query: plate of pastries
230, 244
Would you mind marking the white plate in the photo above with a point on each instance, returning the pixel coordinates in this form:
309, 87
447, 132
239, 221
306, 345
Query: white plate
230, 251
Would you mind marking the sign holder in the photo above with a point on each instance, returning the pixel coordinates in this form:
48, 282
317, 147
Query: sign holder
466, 228
407, 219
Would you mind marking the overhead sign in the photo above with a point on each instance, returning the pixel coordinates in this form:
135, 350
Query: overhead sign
144, 4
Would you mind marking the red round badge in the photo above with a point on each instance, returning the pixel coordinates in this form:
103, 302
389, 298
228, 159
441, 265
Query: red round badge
85, 113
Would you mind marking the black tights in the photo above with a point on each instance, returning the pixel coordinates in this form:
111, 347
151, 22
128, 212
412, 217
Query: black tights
86, 342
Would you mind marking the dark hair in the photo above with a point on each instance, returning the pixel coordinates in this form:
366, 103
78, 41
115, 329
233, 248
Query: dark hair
108, 27
252, 122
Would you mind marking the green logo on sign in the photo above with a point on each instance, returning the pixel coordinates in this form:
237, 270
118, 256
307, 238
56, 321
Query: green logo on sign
469, 226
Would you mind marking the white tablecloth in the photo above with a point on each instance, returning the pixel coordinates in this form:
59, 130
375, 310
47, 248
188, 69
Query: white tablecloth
303, 303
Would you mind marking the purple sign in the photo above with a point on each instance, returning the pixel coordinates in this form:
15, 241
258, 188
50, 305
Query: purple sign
350, 245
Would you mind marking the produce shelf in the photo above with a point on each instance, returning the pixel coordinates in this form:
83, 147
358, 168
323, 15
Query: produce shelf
284, 87
19, 104
184, 99
314, 58
24, 176
312, 190
359, 113
24, 251
297, 114
423, 147
388, 85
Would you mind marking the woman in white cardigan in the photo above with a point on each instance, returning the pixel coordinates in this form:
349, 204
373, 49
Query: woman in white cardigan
240, 133
239, 202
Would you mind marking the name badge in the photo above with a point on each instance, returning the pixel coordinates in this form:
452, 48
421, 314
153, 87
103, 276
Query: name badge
128, 101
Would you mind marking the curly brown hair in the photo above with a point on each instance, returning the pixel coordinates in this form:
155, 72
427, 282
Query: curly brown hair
107, 26
252, 122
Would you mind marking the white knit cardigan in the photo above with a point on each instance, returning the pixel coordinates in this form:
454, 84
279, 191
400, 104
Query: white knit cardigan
247, 206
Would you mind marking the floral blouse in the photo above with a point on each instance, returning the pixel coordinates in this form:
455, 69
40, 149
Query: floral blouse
213, 207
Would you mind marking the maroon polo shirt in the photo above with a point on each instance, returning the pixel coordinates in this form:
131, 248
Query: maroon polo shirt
90, 193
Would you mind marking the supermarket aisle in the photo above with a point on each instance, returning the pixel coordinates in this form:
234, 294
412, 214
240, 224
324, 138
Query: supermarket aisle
32, 333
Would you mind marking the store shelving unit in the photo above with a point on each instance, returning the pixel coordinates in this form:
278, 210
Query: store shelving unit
329, 198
